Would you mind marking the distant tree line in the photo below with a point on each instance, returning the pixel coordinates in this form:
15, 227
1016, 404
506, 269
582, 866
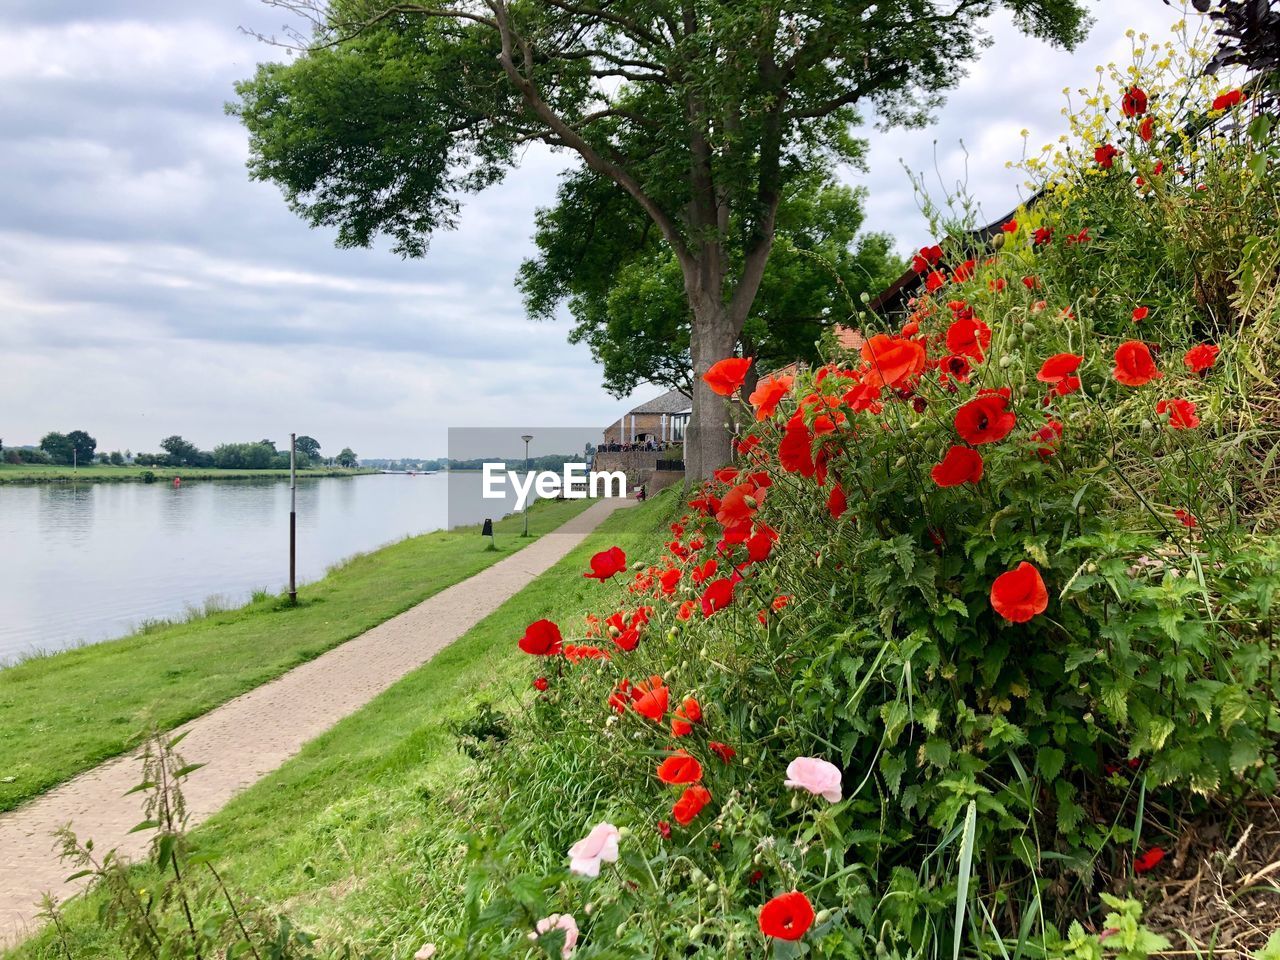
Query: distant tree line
551, 461
78, 447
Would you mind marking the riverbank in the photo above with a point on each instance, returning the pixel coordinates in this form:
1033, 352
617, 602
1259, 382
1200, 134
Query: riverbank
351, 835
101, 473
64, 713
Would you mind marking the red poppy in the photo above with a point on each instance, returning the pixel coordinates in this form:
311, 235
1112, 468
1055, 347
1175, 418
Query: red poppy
650, 699
740, 503
687, 714
780, 602
541, 638
1225, 101
935, 281
1010, 227
701, 574
669, 580
960, 465
690, 804
969, 337
1048, 435
795, 452
926, 258
1042, 236
680, 767
722, 750
760, 544
837, 503
1145, 862
964, 271
1134, 366
628, 639
1186, 519
893, 360
1141, 313
1201, 357
766, 397
606, 563
664, 829
787, 916
540, 683
717, 596
1134, 102
1182, 413
726, 376
986, 418
1059, 367
686, 610
1105, 156
1147, 130
1019, 594
622, 695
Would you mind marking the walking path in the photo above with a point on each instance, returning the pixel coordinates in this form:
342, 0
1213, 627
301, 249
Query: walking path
248, 737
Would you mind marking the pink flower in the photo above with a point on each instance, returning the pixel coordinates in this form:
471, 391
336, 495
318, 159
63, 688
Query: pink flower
559, 921
598, 846
817, 776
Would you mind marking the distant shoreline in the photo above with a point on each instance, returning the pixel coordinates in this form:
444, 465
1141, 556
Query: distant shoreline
35, 474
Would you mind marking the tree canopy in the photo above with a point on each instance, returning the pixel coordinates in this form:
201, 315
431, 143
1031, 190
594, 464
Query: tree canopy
703, 112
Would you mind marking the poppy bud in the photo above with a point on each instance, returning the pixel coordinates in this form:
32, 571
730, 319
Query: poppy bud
638, 565
1146, 426
672, 633
712, 887
822, 917
588, 908
1006, 362
997, 241
1091, 567
795, 801
696, 875
900, 463
696, 932
865, 298
1088, 718
750, 502
621, 931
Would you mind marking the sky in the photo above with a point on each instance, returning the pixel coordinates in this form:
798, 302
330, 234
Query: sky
148, 287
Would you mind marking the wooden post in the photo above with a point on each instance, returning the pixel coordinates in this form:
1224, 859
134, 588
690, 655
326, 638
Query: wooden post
293, 518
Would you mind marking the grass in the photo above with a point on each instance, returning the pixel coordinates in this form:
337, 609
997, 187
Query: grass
353, 836
66, 712
101, 473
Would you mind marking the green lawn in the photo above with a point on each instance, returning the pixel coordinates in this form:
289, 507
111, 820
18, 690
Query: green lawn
99, 473
354, 835
64, 713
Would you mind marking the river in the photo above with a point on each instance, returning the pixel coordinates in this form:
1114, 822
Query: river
85, 562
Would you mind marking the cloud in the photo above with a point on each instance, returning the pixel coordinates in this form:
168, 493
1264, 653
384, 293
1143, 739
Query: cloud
148, 287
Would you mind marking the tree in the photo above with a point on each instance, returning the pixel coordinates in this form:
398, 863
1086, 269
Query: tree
703, 112
347, 458
58, 446
308, 447
182, 453
625, 290
84, 446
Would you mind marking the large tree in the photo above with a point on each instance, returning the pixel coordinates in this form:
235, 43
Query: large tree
701, 111
598, 251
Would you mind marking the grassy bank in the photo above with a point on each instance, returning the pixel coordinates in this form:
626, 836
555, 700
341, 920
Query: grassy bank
64, 713
99, 473
355, 835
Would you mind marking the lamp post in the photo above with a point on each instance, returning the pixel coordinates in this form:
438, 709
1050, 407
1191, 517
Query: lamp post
526, 438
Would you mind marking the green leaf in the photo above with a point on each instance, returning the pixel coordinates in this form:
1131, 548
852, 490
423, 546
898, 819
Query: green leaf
1050, 761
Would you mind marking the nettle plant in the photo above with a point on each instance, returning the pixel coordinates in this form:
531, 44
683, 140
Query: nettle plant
905, 678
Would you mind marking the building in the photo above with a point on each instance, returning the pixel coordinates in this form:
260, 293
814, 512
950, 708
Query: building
661, 420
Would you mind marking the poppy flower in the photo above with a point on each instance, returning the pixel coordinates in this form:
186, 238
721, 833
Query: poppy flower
726, 376
816, 776
740, 503
540, 684
1201, 357
687, 714
1141, 313
597, 847
969, 337
1186, 519
717, 596
1105, 156
1225, 101
722, 750
541, 638
1134, 366
1059, 367
935, 281
702, 573
1048, 435
986, 418
1147, 130
668, 580
1134, 102
680, 767
1182, 413
766, 397
1042, 236
837, 503
892, 360
787, 916
1145, 862
960, 465
606, 564
650, 699
686, 610
690, 804
926, 258
1010, 227
760, 544
1019, 594
795, 452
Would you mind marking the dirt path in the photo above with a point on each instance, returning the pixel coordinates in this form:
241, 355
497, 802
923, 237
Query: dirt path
246, 738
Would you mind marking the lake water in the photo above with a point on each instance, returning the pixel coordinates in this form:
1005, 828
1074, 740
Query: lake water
85, 562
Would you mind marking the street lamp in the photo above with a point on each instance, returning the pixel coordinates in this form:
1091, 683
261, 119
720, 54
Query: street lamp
526, 438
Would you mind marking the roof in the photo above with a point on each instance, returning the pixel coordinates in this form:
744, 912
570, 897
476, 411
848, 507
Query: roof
673, 401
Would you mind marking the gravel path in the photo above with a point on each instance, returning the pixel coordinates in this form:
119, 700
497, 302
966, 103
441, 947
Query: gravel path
248, 737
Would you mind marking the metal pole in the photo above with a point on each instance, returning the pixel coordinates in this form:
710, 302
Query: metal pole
293, 518
526, 473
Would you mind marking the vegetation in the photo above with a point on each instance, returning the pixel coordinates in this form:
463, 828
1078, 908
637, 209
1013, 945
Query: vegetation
170, 672
105, 472
706, 115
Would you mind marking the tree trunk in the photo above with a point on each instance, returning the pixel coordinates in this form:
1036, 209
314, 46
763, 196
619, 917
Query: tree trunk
708, 441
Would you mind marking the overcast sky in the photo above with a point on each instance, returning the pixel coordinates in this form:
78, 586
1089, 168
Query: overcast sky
147, 287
